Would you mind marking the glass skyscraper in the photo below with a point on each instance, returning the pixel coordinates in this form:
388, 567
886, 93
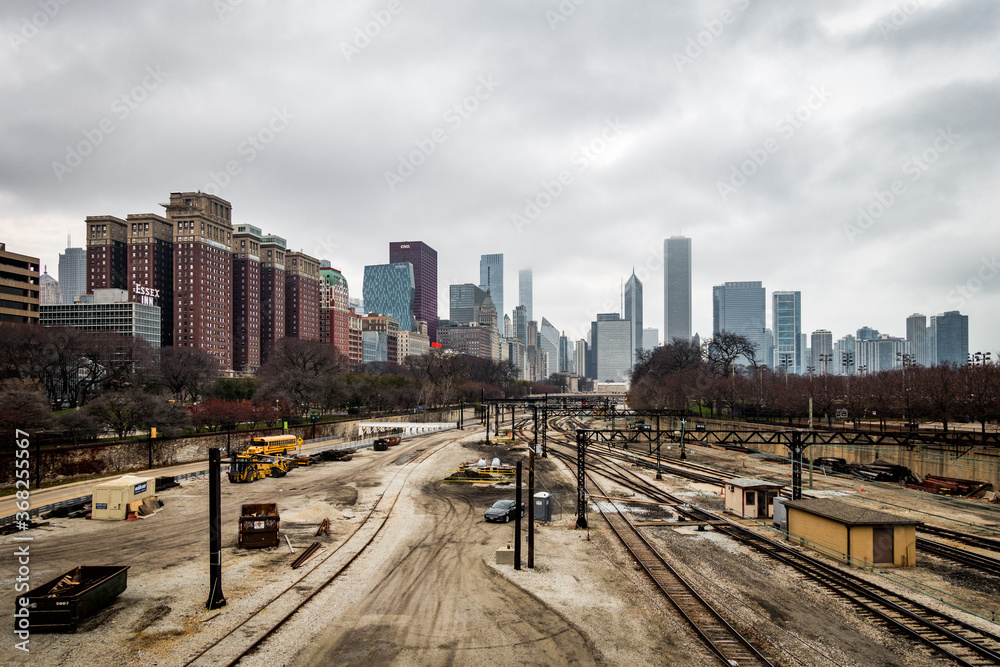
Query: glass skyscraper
524, 291
786, 316
72, 274
676, 288
950, 335
389, 289
738, 307
425, 276
491, 279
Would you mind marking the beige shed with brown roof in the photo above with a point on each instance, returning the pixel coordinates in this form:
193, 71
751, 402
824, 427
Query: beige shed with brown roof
854, 534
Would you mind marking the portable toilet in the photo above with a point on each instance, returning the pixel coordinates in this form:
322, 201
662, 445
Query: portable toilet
543, 506
111, 499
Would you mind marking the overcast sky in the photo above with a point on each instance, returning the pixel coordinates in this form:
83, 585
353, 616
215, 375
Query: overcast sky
845, 149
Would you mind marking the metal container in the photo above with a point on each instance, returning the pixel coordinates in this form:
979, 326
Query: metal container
543, 506
111, 499
259, 526
61, 604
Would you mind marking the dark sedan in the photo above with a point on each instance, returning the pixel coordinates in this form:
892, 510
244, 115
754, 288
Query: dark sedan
502, 511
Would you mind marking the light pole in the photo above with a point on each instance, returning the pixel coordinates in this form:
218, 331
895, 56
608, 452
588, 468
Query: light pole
906, 359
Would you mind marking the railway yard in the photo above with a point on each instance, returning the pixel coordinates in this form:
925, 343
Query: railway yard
408, 573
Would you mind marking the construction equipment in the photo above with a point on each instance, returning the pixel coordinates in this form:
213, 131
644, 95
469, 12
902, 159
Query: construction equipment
272, 455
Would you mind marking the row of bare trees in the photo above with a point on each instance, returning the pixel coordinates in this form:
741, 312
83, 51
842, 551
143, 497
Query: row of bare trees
681, 375
98, 381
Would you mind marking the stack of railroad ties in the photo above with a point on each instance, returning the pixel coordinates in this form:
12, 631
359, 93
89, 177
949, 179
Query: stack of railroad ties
883, 471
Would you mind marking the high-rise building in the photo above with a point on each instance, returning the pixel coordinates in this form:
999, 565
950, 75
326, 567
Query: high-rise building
272, 294
564, 353
508, 327
19, 282
580, 358
786, 318
524, 287
650, 338
246, 298
883, 353
676, 288
845, 355
738, 307
821, 350
867, 333
520, 324
107, 253
151, 267
203, 273
302, 296
107, 311
48, 289
548, 340
491, 278
633, 313
470, 339
950, 332
916, 333
388, 289
334, 309
425, 279
379, 335
464, 302
72, 274
613, 339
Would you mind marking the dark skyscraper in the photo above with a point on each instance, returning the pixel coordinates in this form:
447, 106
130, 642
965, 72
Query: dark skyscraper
676, 289
425, 275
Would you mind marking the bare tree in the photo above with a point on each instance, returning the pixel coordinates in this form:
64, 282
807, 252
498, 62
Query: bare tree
185, 371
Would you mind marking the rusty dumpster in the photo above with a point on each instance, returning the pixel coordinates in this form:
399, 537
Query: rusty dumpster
61, 604
259, 525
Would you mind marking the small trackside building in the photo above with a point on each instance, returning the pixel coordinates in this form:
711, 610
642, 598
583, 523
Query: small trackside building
751, 498
856, 535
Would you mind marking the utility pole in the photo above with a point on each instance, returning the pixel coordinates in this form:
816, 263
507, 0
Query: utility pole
531, 509
216, 598
517, 521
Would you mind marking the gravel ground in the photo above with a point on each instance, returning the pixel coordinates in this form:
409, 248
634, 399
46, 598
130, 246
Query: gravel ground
430, 592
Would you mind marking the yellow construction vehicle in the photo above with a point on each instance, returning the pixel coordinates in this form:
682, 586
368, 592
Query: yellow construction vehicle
268, 456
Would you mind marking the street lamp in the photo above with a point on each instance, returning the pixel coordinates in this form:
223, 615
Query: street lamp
906, 359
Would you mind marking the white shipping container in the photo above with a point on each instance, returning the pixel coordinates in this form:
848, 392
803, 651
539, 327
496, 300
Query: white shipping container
110, 499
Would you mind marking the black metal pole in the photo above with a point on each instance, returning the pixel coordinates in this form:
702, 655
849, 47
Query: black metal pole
461, 414
545, 429
496, 420
796, 448
486, 422
517, 522
531, 509
215, 597
581, 480
534, 410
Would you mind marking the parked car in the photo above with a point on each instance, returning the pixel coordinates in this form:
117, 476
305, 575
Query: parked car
502, 511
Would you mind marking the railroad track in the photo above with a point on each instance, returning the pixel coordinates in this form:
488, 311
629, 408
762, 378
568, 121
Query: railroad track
715, 632
961, 556
243, 638
953, 638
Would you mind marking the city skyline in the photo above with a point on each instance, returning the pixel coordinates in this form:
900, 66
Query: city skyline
824, 149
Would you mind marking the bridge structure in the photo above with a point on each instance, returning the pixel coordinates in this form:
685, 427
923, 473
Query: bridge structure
366, 429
